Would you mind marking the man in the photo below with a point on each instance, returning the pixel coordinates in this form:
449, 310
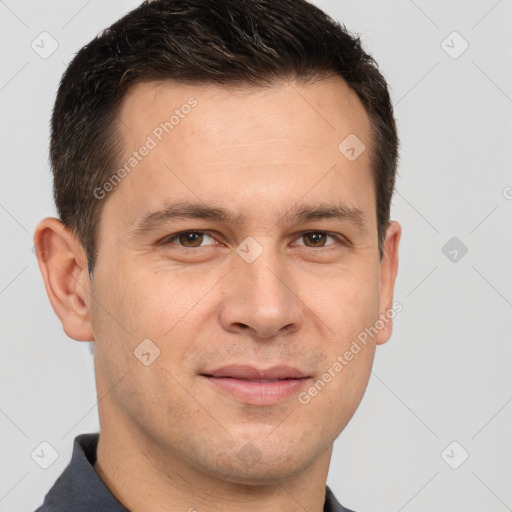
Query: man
223, 172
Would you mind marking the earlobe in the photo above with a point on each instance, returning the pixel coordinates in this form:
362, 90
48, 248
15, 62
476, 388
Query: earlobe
63, 265
388, 272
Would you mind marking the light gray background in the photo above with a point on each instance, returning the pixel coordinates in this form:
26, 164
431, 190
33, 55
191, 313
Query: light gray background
446, 373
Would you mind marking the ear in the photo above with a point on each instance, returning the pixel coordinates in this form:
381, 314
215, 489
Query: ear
388, 271
63, 265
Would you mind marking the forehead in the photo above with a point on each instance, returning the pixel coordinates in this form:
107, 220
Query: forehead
245, 148
329, 105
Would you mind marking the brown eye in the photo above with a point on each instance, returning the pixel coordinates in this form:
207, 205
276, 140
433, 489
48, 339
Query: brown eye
190, 239
187, 239
316, 238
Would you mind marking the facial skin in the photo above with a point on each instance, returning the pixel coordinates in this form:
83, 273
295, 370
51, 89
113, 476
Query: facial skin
168, 435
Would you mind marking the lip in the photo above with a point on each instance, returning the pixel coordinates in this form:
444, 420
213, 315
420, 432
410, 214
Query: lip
251, 373
257, 386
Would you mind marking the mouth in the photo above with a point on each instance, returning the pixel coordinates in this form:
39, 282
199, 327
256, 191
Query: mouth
257, 386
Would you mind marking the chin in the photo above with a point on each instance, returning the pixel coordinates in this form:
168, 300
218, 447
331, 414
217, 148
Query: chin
261, 474
260, 462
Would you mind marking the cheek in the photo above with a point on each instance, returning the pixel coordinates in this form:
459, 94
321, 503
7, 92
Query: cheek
348, 305
340, 388
126, 313
157, 305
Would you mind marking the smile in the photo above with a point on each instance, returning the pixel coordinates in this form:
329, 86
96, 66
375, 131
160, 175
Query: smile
257, 387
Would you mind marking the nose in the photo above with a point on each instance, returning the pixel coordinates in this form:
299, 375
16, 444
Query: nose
261, 299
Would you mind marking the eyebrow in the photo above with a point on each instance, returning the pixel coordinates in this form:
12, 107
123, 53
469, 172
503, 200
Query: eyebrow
297, 214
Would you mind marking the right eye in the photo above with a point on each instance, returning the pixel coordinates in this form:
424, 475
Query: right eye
194, 238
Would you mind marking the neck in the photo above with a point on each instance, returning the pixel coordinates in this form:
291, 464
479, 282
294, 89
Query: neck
146, 478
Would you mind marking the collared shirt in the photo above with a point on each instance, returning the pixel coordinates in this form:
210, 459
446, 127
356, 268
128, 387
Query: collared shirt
79, 488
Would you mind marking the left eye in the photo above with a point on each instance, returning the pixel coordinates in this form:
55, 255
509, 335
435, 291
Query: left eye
318, 238
191, 239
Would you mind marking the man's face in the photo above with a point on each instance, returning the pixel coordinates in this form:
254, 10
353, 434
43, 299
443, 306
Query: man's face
260, 290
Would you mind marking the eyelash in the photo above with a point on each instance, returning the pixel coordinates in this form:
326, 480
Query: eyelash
169, 240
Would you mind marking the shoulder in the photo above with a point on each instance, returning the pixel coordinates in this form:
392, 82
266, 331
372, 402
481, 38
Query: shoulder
332, 504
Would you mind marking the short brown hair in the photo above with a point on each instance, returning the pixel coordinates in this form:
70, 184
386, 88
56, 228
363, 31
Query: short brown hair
224, 42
